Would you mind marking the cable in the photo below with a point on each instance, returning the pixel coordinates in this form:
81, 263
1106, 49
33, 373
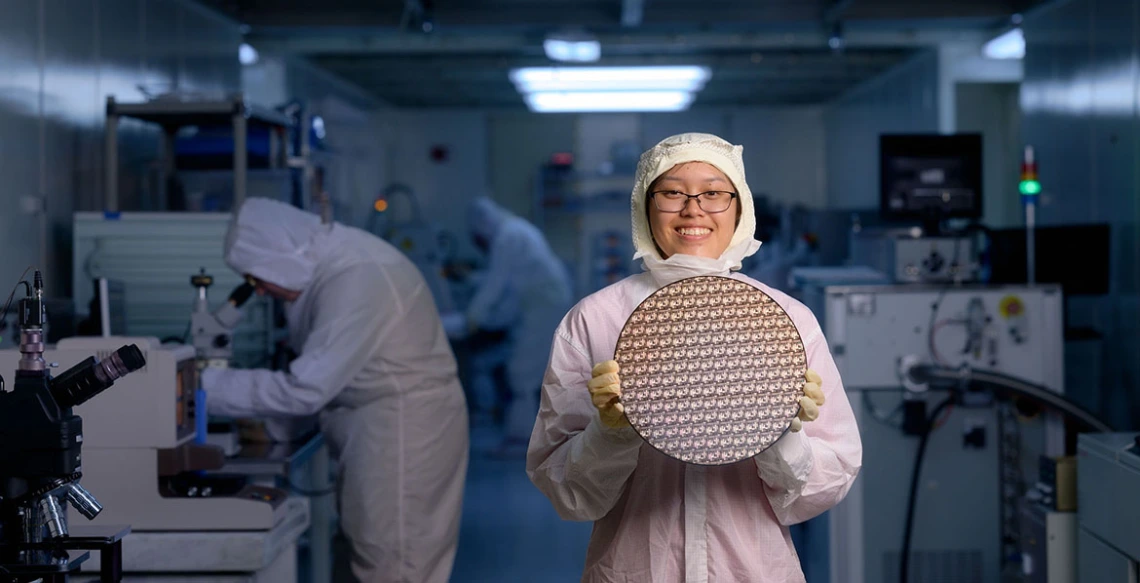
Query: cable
945, 417
8, 304
934, 328
954, 281
934, 325
1001, 383
27, 290
904, 557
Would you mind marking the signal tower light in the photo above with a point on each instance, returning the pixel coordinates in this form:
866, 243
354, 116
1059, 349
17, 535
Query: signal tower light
1029, 185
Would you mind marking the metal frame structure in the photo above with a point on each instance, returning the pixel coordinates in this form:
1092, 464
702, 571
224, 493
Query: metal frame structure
174, 113
107, 540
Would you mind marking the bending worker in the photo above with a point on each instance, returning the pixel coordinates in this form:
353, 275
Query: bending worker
525, 270
658, 519
375, 364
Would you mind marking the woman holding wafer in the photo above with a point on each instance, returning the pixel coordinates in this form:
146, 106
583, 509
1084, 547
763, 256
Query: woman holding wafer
692, 456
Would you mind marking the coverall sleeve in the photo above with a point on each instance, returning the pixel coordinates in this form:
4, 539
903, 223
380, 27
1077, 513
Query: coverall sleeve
495, 286
354, 311
581, 465
808, 472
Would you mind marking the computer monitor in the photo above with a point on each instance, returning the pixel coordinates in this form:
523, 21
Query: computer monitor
1087, 275
930, 177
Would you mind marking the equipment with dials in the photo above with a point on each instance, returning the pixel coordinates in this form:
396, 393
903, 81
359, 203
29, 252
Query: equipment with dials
211, 332
42, 439
906, 256
924, 179
872, 332
969, 378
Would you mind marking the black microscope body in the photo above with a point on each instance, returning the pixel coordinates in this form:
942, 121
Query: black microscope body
41, 461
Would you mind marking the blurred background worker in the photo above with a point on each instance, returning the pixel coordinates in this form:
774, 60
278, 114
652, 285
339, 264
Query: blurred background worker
523, 271
376, 365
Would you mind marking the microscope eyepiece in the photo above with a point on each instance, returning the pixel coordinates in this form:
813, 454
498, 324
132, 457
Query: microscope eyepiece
91, 377
241, 294
126, 360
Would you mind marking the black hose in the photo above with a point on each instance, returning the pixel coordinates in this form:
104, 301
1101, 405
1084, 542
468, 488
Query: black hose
904, 556
1000, 383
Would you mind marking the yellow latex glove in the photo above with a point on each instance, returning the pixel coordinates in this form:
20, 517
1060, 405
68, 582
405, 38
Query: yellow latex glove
605, 390
810, 402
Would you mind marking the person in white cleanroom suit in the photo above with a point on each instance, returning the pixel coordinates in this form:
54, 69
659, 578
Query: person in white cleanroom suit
657, 519
375, 364
522, 268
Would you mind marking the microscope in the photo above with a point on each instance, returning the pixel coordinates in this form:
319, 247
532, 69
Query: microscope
144, 453
212, 332
211, 335
41, 460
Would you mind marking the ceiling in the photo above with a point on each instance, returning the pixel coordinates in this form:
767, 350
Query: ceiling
458, 53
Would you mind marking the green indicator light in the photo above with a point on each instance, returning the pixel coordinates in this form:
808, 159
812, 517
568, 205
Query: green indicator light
1029, 187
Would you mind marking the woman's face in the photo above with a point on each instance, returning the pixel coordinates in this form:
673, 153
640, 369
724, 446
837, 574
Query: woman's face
692, 231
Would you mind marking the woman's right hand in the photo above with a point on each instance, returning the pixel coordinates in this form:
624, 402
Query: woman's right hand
605, 390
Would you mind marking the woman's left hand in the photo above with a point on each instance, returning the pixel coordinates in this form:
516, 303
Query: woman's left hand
810, 402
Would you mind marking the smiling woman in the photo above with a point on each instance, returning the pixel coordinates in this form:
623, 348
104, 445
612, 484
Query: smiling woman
693, 224
663, 518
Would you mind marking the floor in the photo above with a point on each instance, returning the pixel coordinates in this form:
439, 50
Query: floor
509, 531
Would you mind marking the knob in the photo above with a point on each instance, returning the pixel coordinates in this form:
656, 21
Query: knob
201, 279
934, 262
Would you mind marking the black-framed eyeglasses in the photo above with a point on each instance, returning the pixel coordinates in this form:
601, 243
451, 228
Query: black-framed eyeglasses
674, 201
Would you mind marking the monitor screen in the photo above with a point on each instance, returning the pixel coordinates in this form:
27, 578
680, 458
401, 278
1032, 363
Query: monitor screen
930, 177
1089, 275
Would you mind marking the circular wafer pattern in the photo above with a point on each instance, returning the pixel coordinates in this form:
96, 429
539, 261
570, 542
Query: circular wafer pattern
712, 370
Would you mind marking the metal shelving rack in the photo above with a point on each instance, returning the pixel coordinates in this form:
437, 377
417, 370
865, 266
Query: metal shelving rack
173, 112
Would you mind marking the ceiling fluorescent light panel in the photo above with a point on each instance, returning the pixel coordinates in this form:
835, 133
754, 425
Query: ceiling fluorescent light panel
1010, 45
679, 78
608, 101
583, 51
609, 89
